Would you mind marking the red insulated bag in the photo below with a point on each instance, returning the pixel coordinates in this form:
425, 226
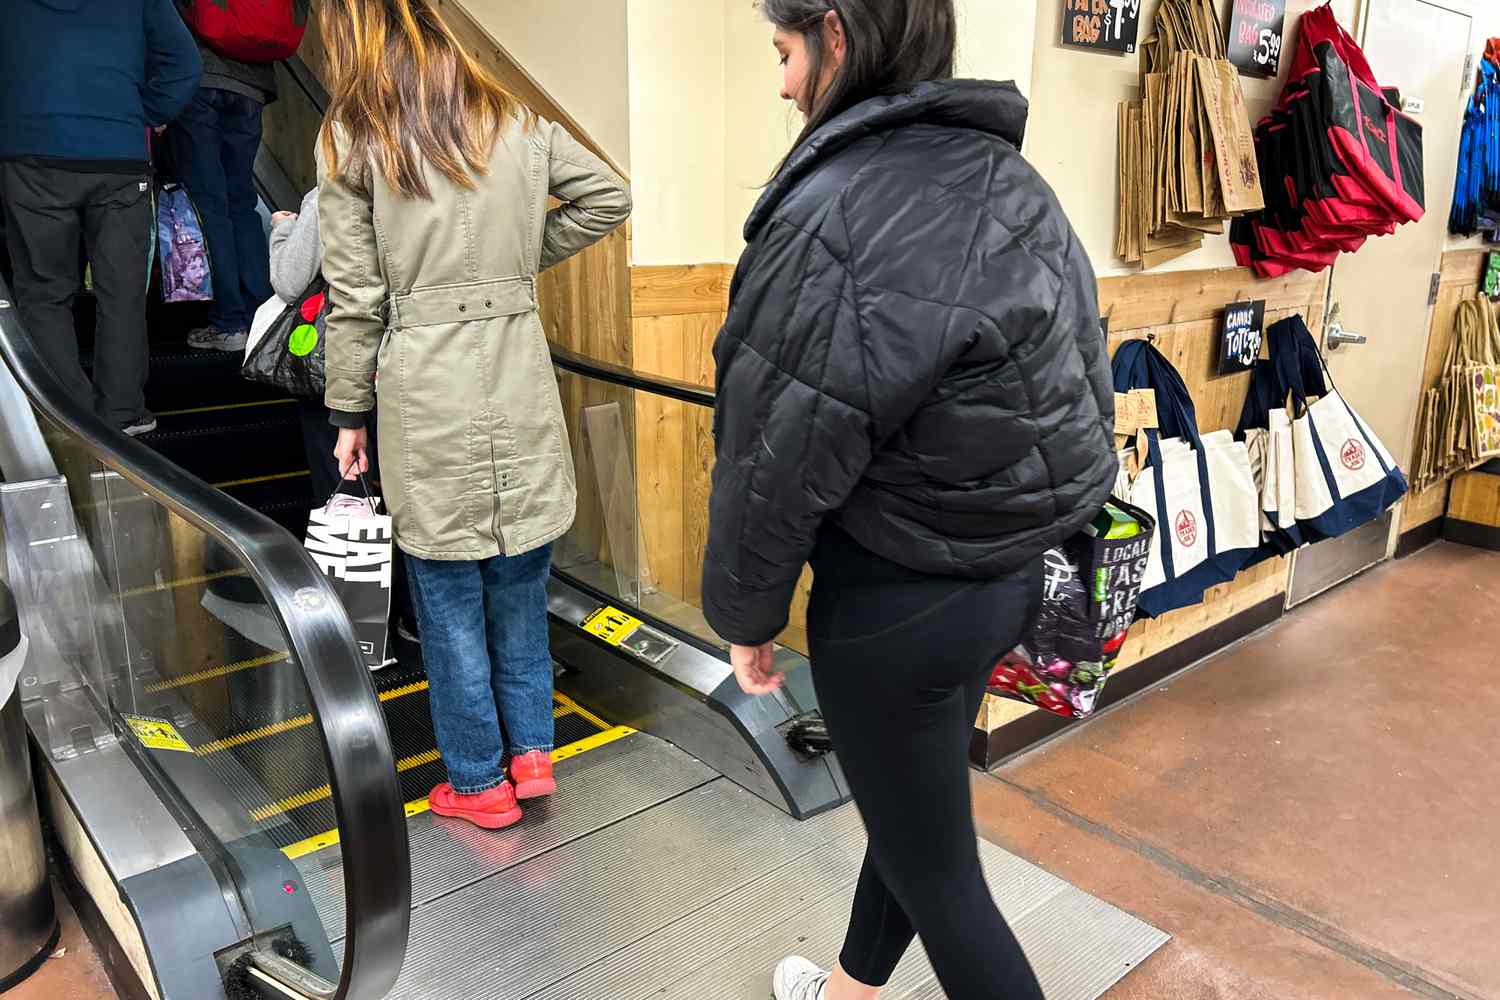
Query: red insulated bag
254, 31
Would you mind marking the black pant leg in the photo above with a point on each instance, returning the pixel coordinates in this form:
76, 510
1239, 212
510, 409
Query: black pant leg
44, 231
118, 227
899, 695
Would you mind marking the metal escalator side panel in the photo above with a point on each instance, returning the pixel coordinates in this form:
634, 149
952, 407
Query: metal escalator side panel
690, 699
355, 742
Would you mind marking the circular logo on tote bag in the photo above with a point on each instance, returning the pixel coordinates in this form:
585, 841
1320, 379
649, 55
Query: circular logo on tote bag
1187, 528
1352, 455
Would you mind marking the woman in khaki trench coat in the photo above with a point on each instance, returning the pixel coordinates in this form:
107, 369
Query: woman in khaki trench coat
434, 185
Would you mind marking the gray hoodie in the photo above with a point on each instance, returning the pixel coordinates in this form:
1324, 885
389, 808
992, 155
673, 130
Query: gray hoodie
296, 251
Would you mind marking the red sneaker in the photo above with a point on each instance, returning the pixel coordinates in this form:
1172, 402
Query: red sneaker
532, 773
493, 809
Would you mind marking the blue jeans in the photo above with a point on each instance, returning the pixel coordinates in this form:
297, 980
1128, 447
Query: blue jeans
213, 145
489, 666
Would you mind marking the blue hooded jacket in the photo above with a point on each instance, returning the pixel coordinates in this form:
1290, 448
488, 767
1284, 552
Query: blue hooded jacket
82, 80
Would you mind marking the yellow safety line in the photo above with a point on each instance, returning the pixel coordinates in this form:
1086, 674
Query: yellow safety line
239, 740
259, 479
416, 807
591, 742
573, 706
187, 581
226, 406
319, 794
276, 729
224, 671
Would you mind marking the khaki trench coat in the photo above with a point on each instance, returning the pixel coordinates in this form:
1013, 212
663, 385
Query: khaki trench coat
439, 296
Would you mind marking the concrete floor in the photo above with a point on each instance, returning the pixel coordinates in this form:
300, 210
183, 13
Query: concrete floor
74, 971
1312, 813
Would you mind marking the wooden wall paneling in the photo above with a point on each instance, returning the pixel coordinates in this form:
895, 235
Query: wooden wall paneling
661, 450
1135, 302
585, 302
1459, 280
1476, 498
690, 289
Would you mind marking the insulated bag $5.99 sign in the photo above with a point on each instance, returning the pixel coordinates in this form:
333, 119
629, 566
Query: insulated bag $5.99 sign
254, 31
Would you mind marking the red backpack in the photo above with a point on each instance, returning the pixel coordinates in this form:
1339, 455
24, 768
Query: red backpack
256, 31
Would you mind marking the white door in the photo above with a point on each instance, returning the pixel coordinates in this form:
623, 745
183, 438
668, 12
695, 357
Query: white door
1420, 48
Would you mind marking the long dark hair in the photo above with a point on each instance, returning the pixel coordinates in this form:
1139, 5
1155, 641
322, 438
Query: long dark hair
892, 45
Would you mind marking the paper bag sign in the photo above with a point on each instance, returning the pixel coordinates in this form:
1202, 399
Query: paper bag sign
1241, 338
1111, 25
1256, 29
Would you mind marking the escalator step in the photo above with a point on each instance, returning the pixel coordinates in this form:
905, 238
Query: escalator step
232, 444
184, 378
285, 499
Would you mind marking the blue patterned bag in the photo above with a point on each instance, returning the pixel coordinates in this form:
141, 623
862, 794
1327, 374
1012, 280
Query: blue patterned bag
185, 272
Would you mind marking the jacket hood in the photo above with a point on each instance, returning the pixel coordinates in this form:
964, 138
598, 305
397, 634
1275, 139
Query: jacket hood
66, 6
981, 105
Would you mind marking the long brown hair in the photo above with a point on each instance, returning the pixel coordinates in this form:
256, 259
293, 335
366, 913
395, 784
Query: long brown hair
405, 93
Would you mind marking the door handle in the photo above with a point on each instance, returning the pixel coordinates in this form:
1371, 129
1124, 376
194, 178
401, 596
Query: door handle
1337, 337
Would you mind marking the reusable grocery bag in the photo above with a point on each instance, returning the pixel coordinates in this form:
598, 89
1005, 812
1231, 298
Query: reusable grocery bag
185, 272
1090, 594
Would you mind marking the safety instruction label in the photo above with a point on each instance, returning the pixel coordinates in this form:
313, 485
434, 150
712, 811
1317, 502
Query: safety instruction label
157, 734
611, 624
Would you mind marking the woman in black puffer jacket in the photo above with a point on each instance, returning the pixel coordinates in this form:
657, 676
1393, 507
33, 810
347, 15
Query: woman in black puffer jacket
913, 394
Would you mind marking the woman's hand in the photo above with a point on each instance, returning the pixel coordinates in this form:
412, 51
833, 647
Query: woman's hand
352, 451
277, 218
754, 668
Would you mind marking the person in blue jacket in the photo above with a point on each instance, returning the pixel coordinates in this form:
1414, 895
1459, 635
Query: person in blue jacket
81, 84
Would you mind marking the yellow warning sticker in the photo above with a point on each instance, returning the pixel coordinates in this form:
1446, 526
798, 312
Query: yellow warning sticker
611, 624
157, 734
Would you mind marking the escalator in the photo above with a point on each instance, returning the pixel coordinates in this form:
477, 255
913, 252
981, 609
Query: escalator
245, 803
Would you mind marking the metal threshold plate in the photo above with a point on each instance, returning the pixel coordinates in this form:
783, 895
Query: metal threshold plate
695, 897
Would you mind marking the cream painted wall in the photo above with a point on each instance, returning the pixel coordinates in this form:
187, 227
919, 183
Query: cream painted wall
995, 43
996, 39
1072, 136
759, 126
577, 52
676, 87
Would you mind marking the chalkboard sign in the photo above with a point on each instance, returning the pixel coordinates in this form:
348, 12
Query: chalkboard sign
1110, 25
1244, 331
1256, 29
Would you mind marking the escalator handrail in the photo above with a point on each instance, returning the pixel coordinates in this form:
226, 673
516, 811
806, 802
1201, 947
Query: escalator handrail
345, 709
630, 378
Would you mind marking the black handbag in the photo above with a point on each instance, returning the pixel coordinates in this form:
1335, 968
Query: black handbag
291, 356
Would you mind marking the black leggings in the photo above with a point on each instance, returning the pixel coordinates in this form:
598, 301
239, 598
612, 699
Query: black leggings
900, 661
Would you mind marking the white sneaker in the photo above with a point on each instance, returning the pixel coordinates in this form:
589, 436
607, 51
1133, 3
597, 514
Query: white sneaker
798, 979
209, 338
144, 424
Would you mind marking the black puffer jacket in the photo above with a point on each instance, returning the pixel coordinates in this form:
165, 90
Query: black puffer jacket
914, 349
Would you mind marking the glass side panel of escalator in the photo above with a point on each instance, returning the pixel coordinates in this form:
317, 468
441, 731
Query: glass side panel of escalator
148, 635
644, 462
